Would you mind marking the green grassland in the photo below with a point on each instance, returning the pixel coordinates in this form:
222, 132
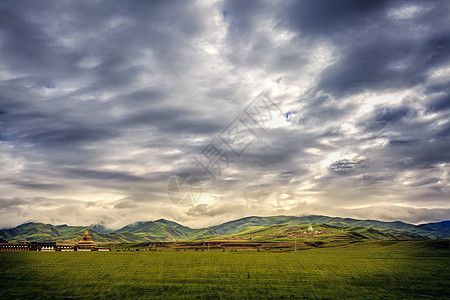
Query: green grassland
343, 270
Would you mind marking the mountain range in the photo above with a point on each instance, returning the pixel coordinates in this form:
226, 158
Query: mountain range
249, 227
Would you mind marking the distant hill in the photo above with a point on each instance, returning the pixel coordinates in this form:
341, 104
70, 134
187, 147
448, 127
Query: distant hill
166, 230
318, 232
276, 227
444, 225
430, 230
39, 232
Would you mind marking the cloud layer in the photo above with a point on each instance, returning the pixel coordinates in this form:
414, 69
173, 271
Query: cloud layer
102, 103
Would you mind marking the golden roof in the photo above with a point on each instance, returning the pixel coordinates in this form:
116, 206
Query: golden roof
86, 240
86, 237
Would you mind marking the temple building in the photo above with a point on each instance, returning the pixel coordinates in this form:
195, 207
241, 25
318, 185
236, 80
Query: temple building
86, 244
65, 247
14, 246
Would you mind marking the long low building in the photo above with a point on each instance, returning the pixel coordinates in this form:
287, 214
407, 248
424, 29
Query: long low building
43, 246
14, 246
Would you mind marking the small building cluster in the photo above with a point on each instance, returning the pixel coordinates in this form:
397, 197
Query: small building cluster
86, 244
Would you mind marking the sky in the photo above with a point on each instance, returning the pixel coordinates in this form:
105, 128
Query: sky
201, 112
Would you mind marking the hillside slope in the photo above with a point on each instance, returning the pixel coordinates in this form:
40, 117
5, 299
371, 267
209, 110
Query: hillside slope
258, 227
433, 231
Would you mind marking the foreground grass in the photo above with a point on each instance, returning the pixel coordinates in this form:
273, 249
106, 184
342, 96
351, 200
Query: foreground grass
366, 270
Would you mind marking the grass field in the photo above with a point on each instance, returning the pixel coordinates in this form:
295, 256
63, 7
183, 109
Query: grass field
364, 270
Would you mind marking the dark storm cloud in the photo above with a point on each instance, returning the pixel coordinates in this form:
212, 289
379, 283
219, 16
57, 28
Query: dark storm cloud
68, 137
437, 48
366, 66
327, 17
102, 175
38, 186
376, 52
387, 116
346, 166
174, 121
440, 103
25, 44
252, 46
444, 131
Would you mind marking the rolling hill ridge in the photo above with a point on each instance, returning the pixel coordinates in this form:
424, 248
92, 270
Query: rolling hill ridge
262, 228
